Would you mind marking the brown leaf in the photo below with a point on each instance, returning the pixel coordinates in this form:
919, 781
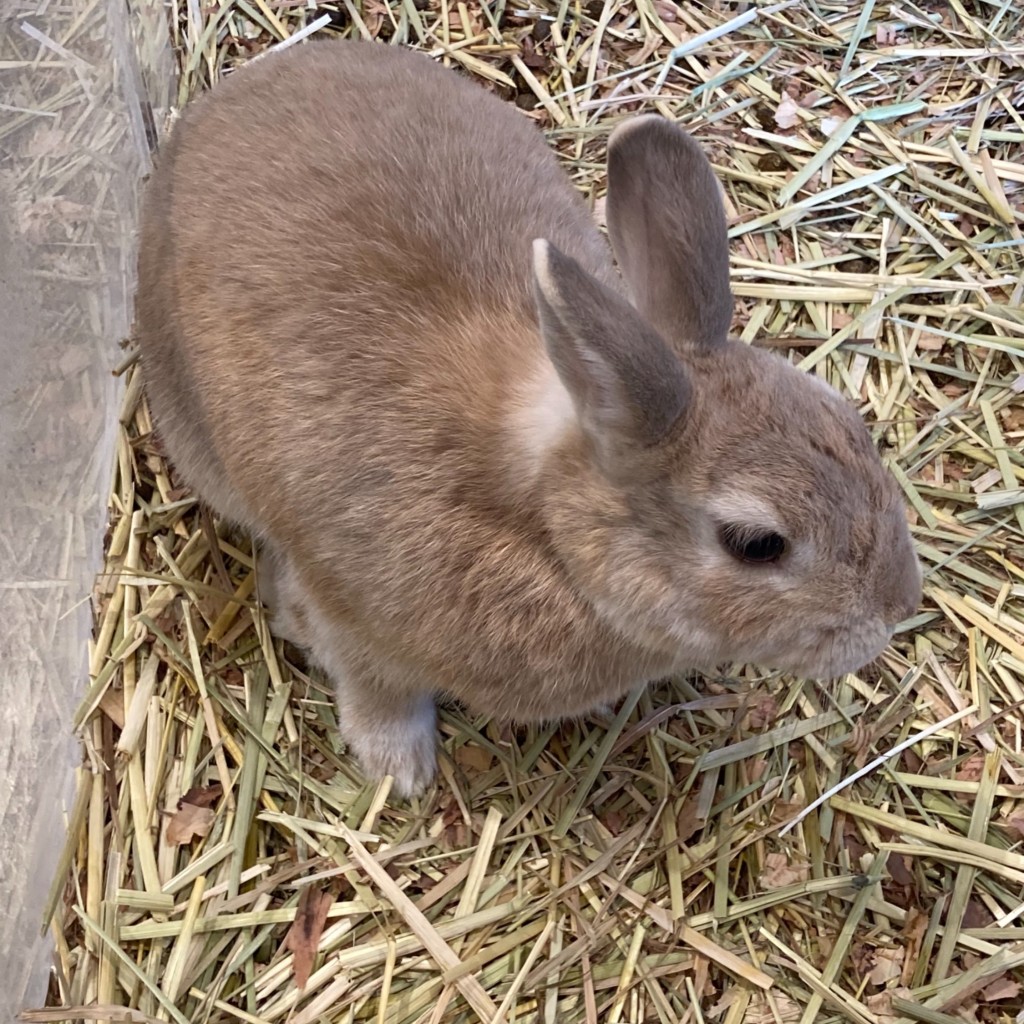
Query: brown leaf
783, 810
888, 966
472, 758
763, 712
688, 822
781, 1010
971, 770
1012, 418
194, 816
112, 705
885, 35
1002, 988
614, 822
202, 796
727, 999
188, 822
899, 869
304, 935
853, 843
930, 342
913, 931
779, 871
880, 1004
787, 114
455, 833
863, 957
977, 915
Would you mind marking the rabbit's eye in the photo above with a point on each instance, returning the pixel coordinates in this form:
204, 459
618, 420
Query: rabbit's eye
747, 545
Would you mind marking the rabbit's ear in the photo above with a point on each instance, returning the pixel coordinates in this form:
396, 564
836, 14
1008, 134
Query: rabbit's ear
627, 386
667, 227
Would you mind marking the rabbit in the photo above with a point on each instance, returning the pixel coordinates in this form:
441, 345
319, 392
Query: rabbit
381, 331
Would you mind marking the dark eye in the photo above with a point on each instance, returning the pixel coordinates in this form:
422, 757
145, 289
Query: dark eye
750, 544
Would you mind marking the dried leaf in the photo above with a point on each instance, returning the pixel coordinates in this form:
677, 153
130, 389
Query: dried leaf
1012, 418
888, 966
188, 822
763, 713
930, 342
971, 770
455, 831
729, 997
913, 931
880, 1004
688, 821
885, 35
194, 816
202, 796
613, 821
472, 758
779, 871
783, 810
776, 1008
1002, 988
112, 705
977, 915
899, 869
787, 114
303, 937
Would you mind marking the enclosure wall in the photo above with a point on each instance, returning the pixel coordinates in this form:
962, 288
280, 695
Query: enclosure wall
82, 84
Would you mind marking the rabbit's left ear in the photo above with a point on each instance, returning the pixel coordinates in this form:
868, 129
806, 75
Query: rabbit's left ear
627, 386
667, 227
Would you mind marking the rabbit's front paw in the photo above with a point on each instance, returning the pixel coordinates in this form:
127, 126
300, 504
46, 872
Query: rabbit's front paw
403, 746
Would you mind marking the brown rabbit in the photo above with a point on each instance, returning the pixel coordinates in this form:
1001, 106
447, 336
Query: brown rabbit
474, 466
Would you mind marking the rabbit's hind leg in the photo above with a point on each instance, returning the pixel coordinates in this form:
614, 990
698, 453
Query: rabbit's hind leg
279, 592
386, 714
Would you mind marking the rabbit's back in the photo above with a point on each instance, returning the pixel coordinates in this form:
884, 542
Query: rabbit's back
336, 251
372, 174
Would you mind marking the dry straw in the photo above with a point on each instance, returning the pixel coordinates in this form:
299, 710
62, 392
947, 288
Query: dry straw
632, 870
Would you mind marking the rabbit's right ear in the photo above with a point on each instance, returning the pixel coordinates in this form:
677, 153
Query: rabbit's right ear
627, 386
668, 230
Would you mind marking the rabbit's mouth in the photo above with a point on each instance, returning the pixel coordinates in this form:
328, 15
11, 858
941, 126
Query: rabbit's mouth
837, 652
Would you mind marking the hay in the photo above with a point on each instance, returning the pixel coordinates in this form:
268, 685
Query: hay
713, 852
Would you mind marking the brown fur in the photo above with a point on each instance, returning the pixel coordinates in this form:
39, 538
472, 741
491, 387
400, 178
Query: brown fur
338, 312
